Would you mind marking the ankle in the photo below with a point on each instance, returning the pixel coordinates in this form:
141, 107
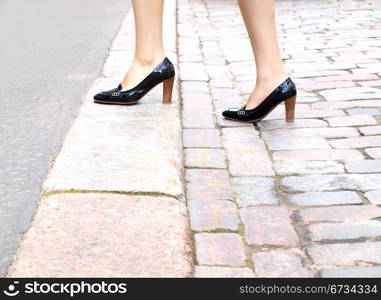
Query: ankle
265, 84
267, 80
148, 61
139, 69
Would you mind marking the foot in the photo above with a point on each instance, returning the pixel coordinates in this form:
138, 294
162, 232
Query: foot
163, 72
138, 71
263, 89
285, 92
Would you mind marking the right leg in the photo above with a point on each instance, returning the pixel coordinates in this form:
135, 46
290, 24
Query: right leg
259, 17
149, 51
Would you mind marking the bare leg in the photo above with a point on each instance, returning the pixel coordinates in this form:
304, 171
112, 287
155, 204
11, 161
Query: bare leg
259, 19
149, 51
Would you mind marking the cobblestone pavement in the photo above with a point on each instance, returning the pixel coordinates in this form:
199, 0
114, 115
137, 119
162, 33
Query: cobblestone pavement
277, 199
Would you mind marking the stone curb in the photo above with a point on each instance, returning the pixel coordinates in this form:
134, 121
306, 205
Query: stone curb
105, 235
132, 149
135, 151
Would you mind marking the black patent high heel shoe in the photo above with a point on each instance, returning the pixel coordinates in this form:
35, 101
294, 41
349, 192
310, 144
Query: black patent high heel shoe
285, 92
163, 73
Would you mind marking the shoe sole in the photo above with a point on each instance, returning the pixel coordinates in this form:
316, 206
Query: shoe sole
118, 103
256, 120
260, 119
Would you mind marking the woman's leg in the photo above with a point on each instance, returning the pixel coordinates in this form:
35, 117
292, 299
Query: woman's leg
149, 51
259, 19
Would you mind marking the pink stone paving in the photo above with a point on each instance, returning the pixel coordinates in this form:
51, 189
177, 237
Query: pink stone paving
106, 235
220, 249
223, 272
280, 263
267, 225
271, 199
283, 199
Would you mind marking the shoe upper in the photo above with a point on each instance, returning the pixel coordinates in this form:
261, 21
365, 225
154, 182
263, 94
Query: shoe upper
284, 91
163, 71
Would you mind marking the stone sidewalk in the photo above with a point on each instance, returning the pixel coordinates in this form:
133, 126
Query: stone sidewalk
270, 200
113, 204
277, 199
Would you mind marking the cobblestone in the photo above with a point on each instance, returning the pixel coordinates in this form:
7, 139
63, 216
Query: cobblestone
280, 263
246, 161
193, 71
374, 196
204, 119
353, 93
324, 198
312, 132
357, 142
319, 173
371, 272
331, 255
205, 158
359, 120
340, 213
346, 104
223, 272
329, 154
370, 130
364, 166
331, 182
220, 249
208, 184
374, 152
260, 228
255, 191
345, 231
302, 123
364, 111
290, 167
201, 138
208, 215
288, 143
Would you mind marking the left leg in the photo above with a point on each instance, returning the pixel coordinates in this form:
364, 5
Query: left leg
149, 51
259, 18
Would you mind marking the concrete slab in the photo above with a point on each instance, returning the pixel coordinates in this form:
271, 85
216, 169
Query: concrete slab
106, 235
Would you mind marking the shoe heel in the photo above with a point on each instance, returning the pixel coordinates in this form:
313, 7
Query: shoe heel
290, 109
167, 90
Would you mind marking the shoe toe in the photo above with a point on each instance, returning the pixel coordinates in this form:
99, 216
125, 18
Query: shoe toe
100, 96
230, 112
